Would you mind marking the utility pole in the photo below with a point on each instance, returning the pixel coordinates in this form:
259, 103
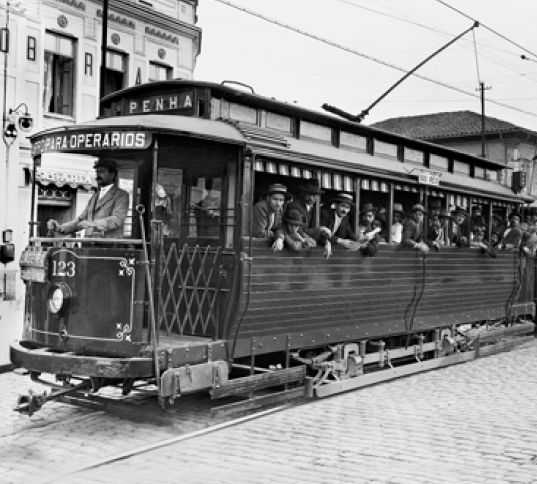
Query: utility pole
104, 40
482, 88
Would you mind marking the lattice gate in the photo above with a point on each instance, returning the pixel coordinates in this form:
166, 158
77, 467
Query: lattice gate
188, 290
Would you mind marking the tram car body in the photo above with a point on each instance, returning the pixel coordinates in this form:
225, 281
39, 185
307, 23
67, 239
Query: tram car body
218, 301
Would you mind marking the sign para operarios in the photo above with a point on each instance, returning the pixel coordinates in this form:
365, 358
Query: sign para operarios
83, 141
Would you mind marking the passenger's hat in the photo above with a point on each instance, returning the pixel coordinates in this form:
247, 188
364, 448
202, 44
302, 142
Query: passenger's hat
435, 203
418, 208
344, 198
293, 216
515, 214
108, 163
380, 218
461, 210
368, 207
445, 213
398, 208
277, 188
312, 186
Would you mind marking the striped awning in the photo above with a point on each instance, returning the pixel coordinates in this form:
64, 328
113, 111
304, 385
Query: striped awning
283, 169
335, 181
374, 185
406, 188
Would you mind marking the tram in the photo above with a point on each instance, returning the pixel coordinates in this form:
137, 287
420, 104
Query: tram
189, 301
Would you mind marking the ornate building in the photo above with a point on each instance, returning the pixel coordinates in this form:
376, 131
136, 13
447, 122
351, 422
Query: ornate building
51, 54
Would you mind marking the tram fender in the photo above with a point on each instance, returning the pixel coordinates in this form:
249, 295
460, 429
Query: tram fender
193, 378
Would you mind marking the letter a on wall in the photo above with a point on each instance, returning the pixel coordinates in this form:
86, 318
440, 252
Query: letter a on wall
138, 76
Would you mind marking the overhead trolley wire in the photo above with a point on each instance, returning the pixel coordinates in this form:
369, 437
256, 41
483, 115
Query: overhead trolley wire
507, 39
365, 56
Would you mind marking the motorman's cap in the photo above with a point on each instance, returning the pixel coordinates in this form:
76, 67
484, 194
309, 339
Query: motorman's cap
277, 188
107, 163
344, 198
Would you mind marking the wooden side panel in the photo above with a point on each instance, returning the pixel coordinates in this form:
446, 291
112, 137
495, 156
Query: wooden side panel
303, 300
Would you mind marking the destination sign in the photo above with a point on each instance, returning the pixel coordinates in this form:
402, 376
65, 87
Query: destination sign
162, 102
92, 140
429, 177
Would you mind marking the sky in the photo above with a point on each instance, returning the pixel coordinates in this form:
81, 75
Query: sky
292, 67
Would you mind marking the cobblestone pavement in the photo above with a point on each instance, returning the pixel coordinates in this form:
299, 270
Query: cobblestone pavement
469, 423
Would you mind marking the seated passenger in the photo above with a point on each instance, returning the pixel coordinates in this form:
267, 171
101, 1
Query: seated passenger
529, 239
446, 225
367, 237
436, 232
397, 226
291, 232
380, 223
459, 227
413, 232
337, 223
435, 207
479, 228
305, 203
268, 212
512, 236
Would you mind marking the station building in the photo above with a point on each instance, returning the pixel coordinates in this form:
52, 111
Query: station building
51, 58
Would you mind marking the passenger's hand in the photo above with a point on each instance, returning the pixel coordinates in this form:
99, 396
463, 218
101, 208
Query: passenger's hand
354, 246
423, 248
325, 231
525, 250
277, 245
436, 245
85, 224
53, 225
327, 250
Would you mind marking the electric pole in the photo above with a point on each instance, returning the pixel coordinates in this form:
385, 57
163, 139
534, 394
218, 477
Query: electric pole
482, 88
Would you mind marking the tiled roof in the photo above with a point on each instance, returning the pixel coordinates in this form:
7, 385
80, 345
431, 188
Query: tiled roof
445, 125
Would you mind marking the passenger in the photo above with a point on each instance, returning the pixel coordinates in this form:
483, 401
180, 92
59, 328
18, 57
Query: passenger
459, 234
268, 212
368, 238
446, 223
336, 221
413, 232
436, 232
497, 225
293, 235
529, 239
397, 225
306, 202
495, 239
478, 238
435, 207
106, 211
512, 236
380, 224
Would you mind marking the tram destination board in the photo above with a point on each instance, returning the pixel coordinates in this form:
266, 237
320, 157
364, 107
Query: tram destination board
429, 177
34, 265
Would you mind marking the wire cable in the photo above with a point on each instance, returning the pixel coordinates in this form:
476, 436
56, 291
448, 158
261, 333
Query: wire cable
487, 28
476, 59
366, 56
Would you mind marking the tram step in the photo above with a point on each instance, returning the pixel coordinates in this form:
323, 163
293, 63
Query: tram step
516, 330
240, 386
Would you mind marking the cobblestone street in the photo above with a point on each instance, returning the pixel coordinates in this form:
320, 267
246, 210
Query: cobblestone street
470, 423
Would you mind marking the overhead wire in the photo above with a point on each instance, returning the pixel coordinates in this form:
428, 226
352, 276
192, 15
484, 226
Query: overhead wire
365, 56
487, 28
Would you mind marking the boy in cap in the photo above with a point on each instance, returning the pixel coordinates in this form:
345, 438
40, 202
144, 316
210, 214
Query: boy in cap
512, 236
459, 228
268, 212
309, 194
368, 238
106, 210
413, 231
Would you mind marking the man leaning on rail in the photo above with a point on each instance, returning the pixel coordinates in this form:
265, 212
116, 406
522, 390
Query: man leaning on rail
106, 210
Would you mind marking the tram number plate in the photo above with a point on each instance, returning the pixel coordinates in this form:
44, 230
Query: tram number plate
34, 274
429, 178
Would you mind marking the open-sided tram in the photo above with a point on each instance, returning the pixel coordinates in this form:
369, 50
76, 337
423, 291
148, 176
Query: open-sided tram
188, 300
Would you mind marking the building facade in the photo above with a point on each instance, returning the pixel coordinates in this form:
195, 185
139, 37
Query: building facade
51, 56
512, 145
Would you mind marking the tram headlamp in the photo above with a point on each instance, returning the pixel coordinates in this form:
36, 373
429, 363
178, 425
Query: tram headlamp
59, 296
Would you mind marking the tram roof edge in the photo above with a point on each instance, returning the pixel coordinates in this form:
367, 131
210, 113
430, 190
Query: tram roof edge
163, 123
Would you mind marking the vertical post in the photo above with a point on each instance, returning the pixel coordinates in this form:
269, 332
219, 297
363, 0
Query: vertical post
357, 201
482, 90
104, 40
156, 235
37, 162
389, 222
469, 226
489, 227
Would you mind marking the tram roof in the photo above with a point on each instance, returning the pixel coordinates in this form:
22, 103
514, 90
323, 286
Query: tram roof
253, 99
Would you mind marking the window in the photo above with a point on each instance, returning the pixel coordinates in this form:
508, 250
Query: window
479, 172
116, 71
58, 95
88, 66
461, 167
30, 51
159, 72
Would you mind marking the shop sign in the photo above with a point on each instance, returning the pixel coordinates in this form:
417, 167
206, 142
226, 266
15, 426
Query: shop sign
82, 141
59, 178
